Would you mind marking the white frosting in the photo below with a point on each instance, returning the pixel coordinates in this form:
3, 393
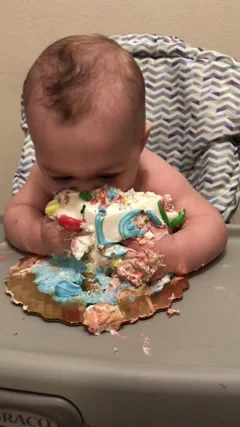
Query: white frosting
81, 245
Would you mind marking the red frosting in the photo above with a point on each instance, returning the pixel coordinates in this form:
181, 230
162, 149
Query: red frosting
71, 224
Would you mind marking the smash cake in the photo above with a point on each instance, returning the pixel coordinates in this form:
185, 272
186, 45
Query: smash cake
102, 283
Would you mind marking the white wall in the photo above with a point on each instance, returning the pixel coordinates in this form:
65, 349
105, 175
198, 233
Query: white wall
27, 26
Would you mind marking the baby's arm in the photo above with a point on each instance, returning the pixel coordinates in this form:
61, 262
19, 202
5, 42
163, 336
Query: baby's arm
203, 236
23, 215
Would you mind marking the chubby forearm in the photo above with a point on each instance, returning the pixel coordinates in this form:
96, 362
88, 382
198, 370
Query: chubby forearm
22, 226
200, 241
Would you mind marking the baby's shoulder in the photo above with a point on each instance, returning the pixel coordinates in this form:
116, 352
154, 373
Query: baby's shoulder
153, 172
153, 162
39, 181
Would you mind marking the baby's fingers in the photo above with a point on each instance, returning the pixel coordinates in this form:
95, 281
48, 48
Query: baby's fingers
132, 244
56, 240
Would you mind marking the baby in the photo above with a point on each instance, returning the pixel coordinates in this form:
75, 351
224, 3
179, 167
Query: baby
85, 106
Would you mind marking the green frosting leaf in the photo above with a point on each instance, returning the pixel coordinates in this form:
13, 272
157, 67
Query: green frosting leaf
163, 215
178, 221
85, 195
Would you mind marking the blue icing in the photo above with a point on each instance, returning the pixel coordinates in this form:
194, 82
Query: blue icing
69, 263
117, 250
112, 193
49, 274
45, 278
127, 229
102, 279
102, 210
160, 284
58, 278
66, 290
153, 217
99, 230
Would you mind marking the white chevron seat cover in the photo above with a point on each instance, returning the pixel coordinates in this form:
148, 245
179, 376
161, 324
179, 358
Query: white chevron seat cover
193, 102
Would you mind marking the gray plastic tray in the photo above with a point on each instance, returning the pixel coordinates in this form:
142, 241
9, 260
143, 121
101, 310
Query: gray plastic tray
192, 374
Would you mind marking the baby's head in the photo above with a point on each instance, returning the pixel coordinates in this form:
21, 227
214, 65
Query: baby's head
85, 105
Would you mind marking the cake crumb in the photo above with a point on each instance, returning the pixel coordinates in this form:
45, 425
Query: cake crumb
146, 345
116, 333
172, 297
115, 350
147, 351
172, 312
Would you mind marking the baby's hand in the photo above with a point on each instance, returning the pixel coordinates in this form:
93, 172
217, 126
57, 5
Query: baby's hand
55, 240
153, 244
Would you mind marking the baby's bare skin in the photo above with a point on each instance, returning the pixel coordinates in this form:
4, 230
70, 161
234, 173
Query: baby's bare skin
97, 152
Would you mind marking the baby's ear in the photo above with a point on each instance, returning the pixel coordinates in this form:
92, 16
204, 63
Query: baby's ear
148, 128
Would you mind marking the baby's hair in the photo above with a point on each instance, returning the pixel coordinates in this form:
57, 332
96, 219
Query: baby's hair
79, 74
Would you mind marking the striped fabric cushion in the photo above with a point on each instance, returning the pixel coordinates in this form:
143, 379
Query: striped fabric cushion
193, 102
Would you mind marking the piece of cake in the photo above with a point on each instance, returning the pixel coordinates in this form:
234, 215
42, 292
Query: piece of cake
107, 216
103, 284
